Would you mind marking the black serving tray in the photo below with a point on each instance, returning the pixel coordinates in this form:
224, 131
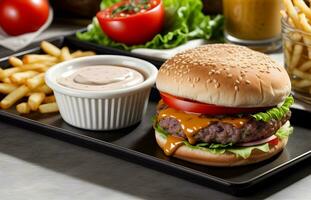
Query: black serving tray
110, 50
137, 143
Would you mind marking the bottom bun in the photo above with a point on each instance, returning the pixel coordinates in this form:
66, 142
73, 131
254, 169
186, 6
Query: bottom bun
226, 159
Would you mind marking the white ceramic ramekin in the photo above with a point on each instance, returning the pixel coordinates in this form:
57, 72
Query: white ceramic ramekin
102, 110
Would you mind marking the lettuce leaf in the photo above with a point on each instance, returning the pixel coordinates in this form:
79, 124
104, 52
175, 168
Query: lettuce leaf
183, 21
243, 152
275, 113
285, 131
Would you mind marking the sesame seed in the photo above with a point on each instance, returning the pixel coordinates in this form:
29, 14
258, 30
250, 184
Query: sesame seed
247, 82
236, 88
229, 75
237, 81
217, 85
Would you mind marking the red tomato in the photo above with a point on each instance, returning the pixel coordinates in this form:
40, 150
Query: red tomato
132, 28
274, 141
23, 16
203, 108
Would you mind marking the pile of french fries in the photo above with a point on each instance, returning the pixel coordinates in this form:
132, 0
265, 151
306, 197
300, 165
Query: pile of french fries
297, 43
24, 80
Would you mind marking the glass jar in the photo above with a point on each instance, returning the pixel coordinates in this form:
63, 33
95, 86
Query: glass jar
297, 58
253, 23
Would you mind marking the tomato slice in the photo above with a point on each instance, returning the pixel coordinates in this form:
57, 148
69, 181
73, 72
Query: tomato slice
203, 108
274, 141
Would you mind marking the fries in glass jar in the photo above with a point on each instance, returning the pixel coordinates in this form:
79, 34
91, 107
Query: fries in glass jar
296, 30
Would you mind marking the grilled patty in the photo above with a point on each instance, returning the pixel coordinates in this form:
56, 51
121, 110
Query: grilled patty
220, 132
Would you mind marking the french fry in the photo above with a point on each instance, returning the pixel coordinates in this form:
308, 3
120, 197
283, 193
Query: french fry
8, 72
15, 62
6, 88
50, 49
44, 88
305, 66
33, 66
21, 77
296, 56
14, 96
48, 108
35, 99
37, 58
23, 108
296, 37
304, 22
292, 13
35, 81
49, 99
301, 74
302, 83
65, 54
78, 54
303, 7
307, 41
287, 57
7, 80
288, 45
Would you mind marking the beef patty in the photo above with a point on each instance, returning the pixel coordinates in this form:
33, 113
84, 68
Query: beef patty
221, 132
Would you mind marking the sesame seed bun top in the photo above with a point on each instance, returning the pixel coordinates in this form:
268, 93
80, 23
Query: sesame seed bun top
225, 75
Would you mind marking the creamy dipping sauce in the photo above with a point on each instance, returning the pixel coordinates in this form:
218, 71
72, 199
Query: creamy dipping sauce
102, 77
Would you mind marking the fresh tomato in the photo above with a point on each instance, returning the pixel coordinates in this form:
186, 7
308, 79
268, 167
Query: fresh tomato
132, 21
23, 16
274, 142
203, 108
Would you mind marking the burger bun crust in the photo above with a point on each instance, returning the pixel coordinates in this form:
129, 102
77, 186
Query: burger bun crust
226, 159
225, 75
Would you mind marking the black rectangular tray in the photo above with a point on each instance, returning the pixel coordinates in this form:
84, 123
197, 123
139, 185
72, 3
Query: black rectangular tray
137, 143
110, 50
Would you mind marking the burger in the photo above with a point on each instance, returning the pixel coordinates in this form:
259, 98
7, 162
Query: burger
223, 105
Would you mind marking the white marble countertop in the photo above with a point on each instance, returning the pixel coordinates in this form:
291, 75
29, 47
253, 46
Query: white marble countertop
34, 166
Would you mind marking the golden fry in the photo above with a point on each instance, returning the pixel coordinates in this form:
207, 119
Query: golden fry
292, 13
21, 77
301, 74
6, 88
304, 22
303, 7
35, 99
7, 80
48, 108
302, 83
78, 54
44, 88
49, 99
307, 41
8, 72
296, 37
15, 62
14, 96
305, 66
23, 108
288, 45
65, 54
35, 81
37, 58
296, 56
287, 57
33, 66
50, 49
